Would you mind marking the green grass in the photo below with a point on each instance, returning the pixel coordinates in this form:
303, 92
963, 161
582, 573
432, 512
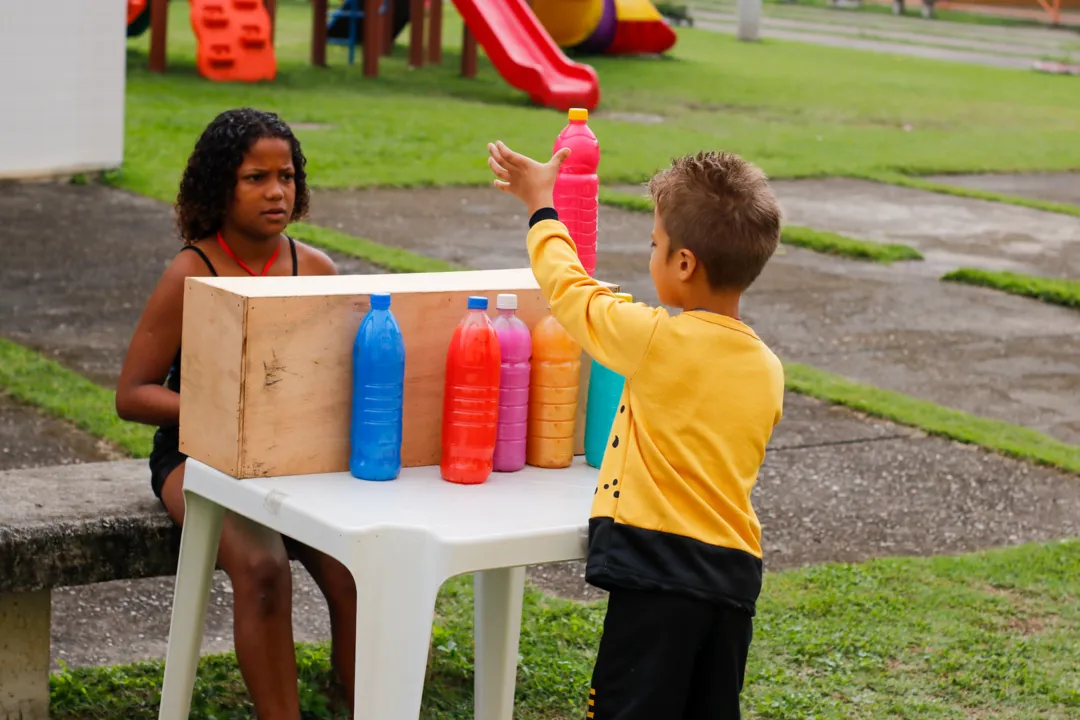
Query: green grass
787, 106
975, 193
993, 634
1057, 291
32, 378
626, 201
387, 257
1006, 438
829, 243
820, 241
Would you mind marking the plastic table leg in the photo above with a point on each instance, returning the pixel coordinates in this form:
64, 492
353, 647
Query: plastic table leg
198, 552
393, 633
497, 628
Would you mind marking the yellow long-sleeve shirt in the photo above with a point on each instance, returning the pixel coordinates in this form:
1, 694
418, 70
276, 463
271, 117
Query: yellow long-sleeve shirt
702, 395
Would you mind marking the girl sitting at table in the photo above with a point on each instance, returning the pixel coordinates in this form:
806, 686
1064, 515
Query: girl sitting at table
243, 184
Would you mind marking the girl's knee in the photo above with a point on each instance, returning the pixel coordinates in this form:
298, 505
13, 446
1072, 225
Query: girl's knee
264, 578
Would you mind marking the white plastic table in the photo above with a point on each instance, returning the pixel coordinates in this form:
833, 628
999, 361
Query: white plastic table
401, 540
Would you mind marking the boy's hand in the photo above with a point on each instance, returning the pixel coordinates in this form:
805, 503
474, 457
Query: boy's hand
530, 181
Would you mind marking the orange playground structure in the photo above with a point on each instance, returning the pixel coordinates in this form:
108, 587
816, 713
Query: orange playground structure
524, 39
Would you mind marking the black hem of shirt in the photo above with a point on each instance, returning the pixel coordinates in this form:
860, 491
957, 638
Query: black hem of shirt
634, 558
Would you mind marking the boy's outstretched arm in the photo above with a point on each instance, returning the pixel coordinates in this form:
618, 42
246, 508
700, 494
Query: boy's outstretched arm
615, 333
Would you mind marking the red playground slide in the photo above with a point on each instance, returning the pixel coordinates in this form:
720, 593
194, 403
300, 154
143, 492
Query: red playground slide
525, 55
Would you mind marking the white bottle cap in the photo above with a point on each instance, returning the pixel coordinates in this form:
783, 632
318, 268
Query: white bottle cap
506, 301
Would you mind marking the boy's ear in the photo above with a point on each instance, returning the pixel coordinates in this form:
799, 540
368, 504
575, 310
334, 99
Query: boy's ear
687, 264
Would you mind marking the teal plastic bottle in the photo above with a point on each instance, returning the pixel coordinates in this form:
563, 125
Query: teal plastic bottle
605, 391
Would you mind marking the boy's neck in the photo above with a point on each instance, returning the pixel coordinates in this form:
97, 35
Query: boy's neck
724, 302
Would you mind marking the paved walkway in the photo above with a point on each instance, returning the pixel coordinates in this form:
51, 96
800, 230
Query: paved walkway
896, 327
1014, 48
949, 231
836, 486
1053, 187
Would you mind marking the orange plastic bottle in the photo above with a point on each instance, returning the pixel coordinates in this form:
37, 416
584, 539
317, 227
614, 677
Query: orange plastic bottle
471, 398
553, 395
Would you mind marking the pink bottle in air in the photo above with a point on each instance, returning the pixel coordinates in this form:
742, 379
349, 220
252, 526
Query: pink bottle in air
515, 345
577, 189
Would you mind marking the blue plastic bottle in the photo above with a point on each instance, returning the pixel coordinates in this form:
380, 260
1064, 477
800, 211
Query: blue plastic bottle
378, 388
605, 392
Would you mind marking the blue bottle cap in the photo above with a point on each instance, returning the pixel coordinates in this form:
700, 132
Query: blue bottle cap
380, 301
478, 302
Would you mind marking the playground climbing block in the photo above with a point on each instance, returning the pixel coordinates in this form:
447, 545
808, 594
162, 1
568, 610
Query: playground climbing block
234, 40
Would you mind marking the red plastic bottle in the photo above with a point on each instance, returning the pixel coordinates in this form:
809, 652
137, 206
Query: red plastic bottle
471, 398
577, 189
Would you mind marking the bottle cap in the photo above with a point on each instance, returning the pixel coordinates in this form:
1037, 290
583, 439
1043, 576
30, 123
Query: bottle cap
625, 296
478, 302
578, 114
506, 301
380, 301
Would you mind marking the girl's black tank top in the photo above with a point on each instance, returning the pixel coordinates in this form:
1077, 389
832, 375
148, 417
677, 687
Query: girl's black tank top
172, 381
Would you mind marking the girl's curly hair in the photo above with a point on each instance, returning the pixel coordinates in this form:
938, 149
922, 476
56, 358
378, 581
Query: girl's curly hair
206, 189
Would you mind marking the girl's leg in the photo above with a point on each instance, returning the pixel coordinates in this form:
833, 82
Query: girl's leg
337, 585
256, 562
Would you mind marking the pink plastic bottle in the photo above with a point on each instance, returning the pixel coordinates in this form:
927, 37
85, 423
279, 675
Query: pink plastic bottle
577, 189
471, 398
515, 345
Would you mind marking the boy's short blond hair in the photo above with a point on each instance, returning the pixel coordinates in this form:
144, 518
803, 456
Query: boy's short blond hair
719, 207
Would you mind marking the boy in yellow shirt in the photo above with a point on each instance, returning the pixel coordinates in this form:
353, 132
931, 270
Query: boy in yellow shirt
673, 537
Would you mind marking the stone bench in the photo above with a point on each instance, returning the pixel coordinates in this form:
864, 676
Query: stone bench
64, 526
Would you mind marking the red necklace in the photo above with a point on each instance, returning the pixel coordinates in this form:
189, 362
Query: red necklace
230, 253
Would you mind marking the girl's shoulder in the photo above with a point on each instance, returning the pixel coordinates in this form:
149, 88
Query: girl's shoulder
312, 261
197, 257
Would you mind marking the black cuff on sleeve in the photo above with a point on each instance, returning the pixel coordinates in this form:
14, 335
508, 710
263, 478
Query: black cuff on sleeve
547, 213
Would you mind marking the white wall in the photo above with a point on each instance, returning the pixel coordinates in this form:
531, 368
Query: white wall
61, 86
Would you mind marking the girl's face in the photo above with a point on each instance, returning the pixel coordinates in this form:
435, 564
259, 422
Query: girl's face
265, 190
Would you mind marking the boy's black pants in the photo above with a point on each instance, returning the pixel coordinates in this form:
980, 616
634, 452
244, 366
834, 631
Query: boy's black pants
665, 656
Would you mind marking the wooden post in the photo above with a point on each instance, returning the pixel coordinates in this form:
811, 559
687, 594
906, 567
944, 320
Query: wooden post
416, 35
271, 10
468, 54
388, 26
435, 33
318, 32
372, 38
159, 24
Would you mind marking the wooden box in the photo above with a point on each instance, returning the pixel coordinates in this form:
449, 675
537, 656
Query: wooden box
266, 371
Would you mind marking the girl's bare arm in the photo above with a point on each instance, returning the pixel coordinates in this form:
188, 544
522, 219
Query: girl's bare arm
140, 395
